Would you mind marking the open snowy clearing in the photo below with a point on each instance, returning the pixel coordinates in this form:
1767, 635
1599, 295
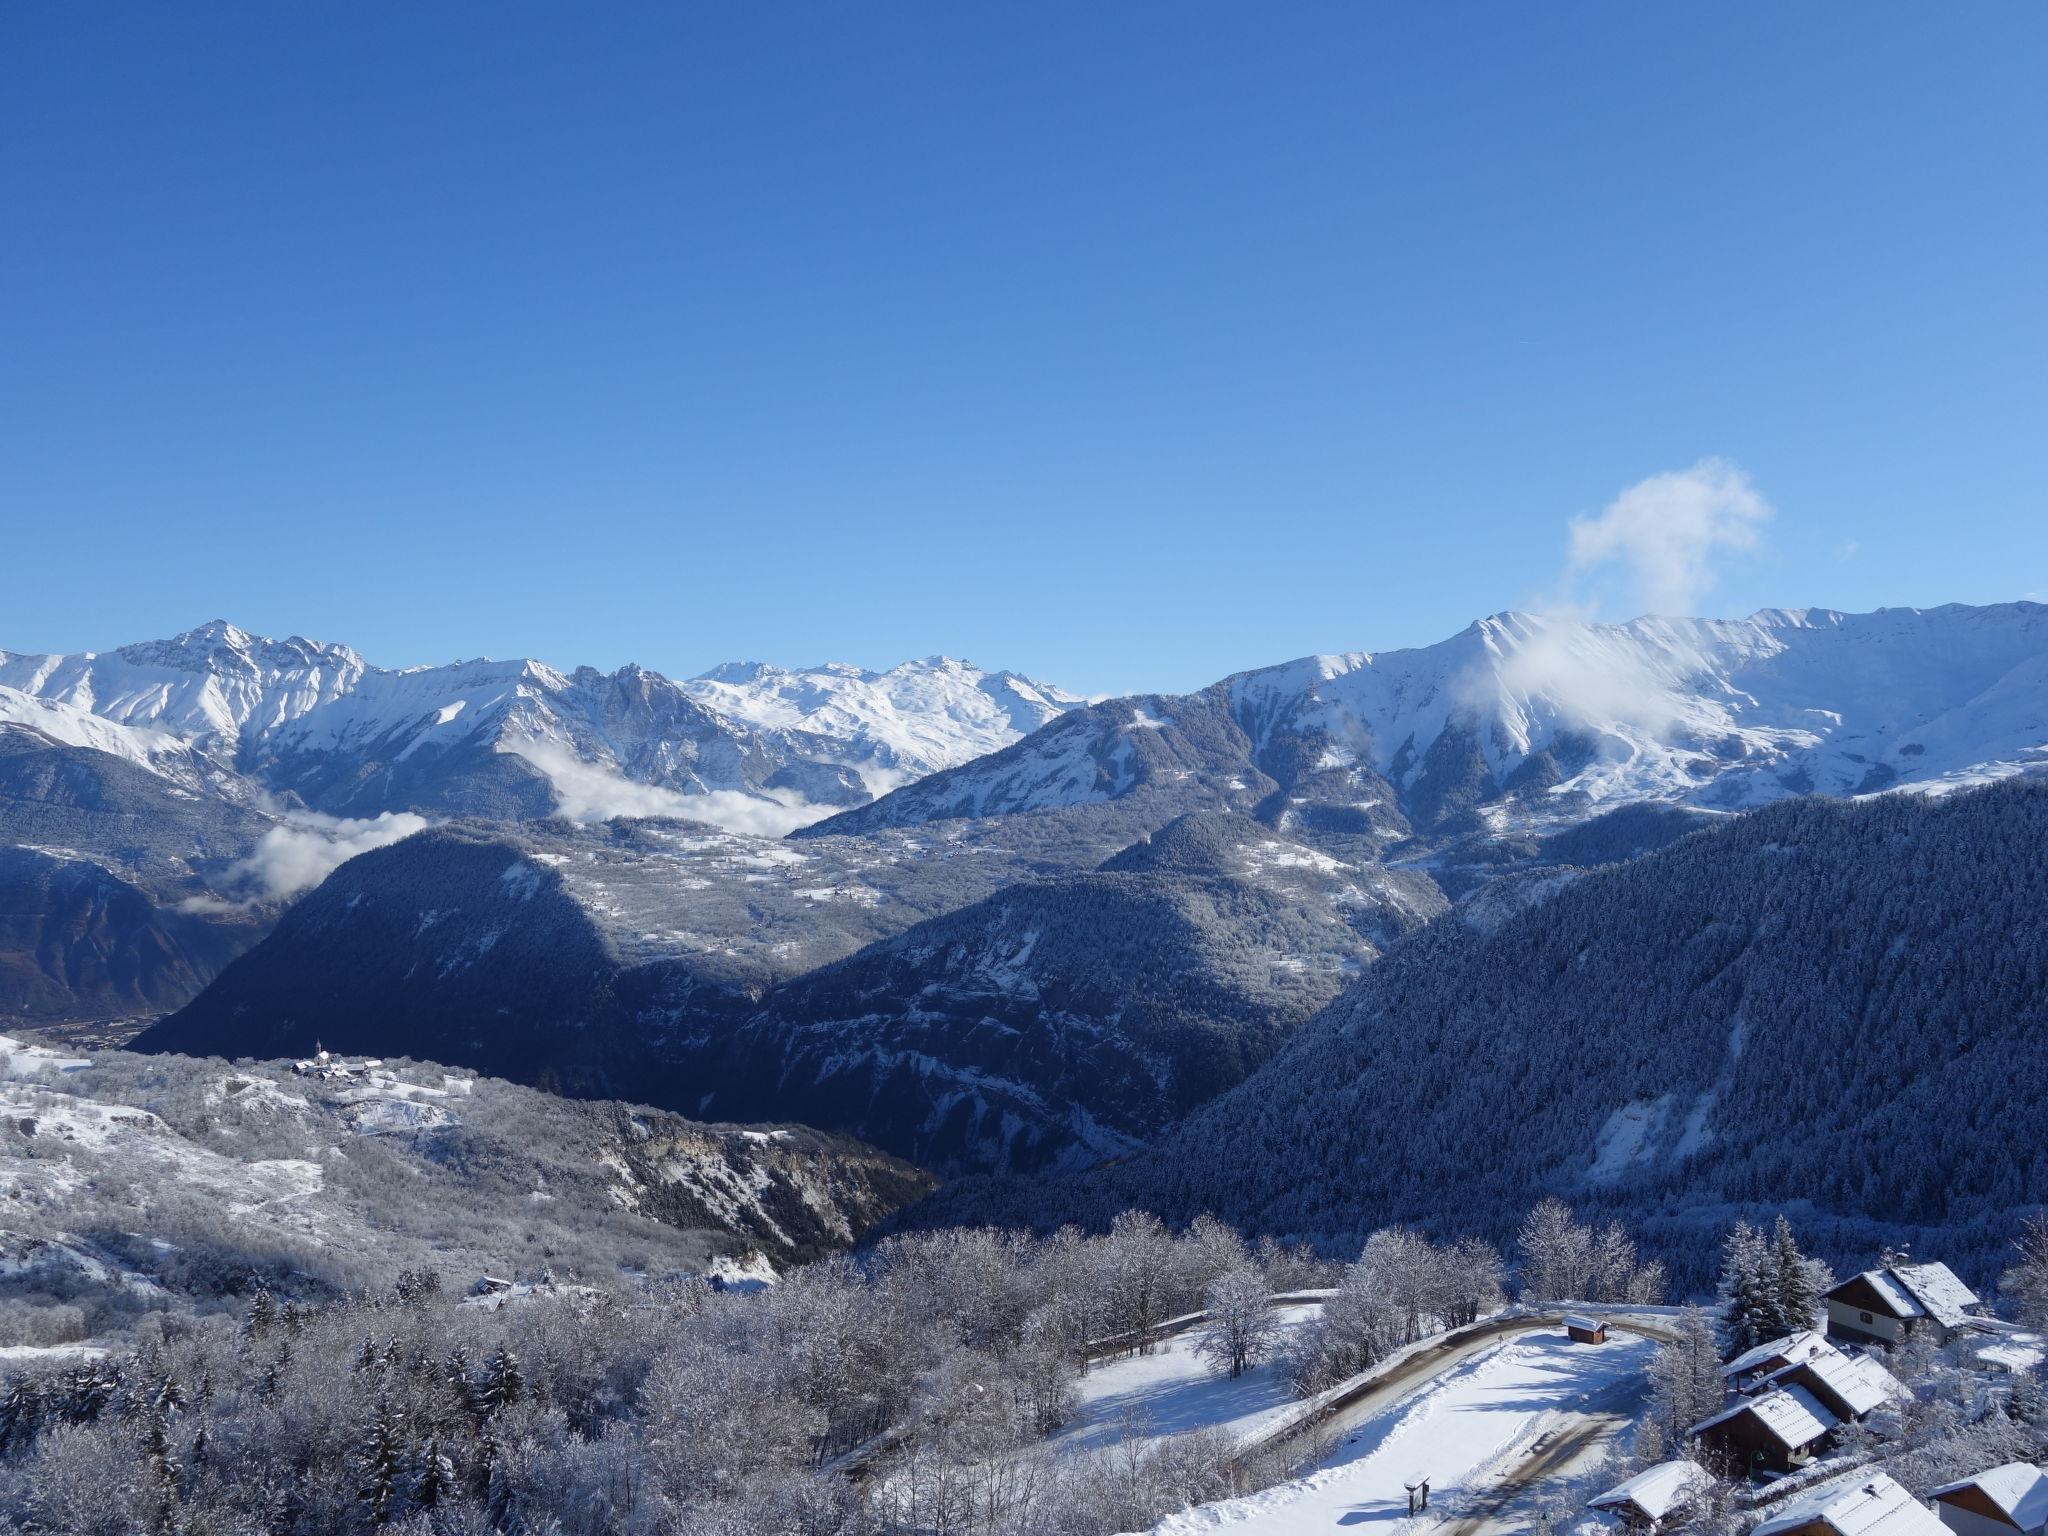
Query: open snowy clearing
1463, 1431
1173, 1389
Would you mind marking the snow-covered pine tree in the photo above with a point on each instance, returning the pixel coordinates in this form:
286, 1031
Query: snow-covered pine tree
1798, 1280
1749, 1290
504, 1384
381, 1461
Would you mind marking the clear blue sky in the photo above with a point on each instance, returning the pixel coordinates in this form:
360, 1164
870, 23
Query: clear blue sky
1125, 344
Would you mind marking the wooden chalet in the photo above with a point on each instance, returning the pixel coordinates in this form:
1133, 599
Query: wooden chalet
1650, 1499
1866, 1504
1754, 1365
1777, 1431
2011, 1500
1585, 1330
1885, 1306
1849, 1387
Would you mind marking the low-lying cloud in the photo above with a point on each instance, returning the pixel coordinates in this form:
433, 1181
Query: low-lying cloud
303, 849
586, 791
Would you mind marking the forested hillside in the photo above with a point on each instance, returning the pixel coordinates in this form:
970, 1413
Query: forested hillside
1833, 1007
1064, 1020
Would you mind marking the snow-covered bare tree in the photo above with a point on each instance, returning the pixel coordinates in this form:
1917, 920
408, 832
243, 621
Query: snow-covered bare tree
2025, 1284
1241, 1328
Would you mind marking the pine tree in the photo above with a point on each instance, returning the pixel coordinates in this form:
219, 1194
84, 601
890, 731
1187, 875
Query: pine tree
21, 1412
1749, 1290
434, 1482
262, 1313
1685, 1378
503, 1385
381, 1461
1798, 1294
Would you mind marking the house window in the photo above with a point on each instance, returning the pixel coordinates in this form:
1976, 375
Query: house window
1866, 1317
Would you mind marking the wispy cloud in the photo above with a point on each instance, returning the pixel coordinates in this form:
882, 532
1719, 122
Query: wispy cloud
1664, 535
1655, 548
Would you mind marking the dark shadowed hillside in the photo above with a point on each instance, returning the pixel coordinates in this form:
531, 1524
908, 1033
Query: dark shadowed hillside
1843, 1006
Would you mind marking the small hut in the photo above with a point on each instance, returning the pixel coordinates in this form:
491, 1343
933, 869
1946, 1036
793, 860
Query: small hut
1585, 1330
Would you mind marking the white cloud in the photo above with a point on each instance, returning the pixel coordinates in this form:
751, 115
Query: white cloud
302, 850
1666, 533
591, 792
1847, 550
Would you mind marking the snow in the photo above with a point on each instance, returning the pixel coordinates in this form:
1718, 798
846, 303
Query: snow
1802, 1345
196, 704
20, 1059
2019, 1488
1172, 1390
1867, 1504
48, 1354
1936, 1288
1860, 1385
1896, 1296
1464, 1427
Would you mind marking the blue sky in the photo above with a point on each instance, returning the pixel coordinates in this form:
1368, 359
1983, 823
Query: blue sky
1128, 345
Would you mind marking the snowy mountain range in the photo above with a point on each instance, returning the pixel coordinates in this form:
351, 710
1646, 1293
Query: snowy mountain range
750, 746
1523, 722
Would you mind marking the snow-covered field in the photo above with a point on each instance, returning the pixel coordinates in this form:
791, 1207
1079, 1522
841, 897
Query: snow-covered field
1173, 1390
1462, 1431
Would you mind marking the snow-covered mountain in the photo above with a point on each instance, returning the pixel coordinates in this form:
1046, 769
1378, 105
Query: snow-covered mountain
749, 746
1522, 721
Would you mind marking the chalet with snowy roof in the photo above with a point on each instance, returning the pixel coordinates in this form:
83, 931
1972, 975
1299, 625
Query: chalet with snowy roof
1647, 1501
1847, 1386
1868, 1504
1776, 1431
1585, 1330
2011, 1500
1886, 1306
1753, 1365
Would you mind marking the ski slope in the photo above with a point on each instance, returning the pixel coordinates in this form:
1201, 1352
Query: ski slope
1467, 1431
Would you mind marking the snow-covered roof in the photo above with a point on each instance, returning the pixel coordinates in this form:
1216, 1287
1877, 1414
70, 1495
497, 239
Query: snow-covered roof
2019, 1488
1937, 1289
1793, 1346
1860, 1383
1895, 1295
1575, 1320
1658, 1491
1866, 1505
2013, 1354
1792, 1415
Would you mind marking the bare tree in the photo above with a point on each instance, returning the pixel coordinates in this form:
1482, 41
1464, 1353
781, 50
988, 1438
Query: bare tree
1241, 1328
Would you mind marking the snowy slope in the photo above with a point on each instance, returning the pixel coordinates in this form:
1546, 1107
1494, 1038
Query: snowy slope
754, 747
1462, 1433
913, 719
1522, 721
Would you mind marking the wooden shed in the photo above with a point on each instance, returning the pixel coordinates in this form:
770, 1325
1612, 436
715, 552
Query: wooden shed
1585, 1330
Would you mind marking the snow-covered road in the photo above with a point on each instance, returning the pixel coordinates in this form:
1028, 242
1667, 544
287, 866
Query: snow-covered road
1474, 1432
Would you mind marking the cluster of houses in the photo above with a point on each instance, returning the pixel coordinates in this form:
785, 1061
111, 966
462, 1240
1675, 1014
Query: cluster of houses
2011, 1500
1793, 1396
328, 1067
1790, 1399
